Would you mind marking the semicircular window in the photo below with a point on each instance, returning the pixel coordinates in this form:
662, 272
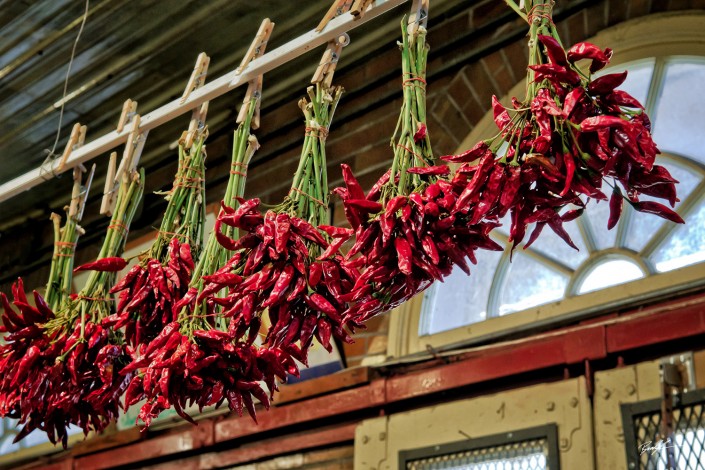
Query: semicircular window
673, 91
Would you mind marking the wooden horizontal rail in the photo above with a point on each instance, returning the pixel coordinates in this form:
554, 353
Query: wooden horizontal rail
229, 81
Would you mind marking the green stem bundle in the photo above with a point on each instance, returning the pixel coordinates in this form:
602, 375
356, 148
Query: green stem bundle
186, 208
95, 298
408, 151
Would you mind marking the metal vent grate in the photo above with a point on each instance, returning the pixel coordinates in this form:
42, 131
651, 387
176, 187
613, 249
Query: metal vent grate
530, 449
647, 449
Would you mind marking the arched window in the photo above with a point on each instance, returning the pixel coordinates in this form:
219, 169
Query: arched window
647, 254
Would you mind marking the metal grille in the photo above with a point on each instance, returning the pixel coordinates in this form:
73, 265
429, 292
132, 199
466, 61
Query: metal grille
527, 455
531, 449
647, 449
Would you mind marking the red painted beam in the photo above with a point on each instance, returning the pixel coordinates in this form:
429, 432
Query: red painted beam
190, 438
279, 445
347, 401
569, 347
659, 327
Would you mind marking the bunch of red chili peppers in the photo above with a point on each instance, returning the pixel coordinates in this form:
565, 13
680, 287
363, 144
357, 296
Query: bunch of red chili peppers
62, 367
415, 224
195, 359
150, 289
572, 133
285, 265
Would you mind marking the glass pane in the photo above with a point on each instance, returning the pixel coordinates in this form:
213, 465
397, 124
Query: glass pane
643, 226
685, 246
610, 273
638, 79
551, 245
678, 117
529, 283
597, 214
459, 300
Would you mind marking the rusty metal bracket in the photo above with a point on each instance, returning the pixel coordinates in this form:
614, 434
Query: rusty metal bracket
677, 376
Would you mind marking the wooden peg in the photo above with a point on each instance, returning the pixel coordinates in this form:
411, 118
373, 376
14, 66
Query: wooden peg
84, 193
329, 61
76, 191
108, 190
336, 9
80, 192
258, 45
359, 8
418, 16
129, 109
197, 76
76, 139
198, 115
254, 87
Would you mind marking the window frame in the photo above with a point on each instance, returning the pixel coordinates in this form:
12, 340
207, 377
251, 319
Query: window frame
547, 431
661, 36
647, 407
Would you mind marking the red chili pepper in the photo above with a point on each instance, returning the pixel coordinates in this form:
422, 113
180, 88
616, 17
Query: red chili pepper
572, 99
501, 116
185, 255
127, 280
42, 306
280, 287
616, 203
556, 225
10, 313
111, 264
374, 192
323, 333
23, 368
161, 339
554, 50
420, 133
336, 232
320, 303
404, 254
223, 279
430, 170
307, 231
332, 249
557, 74
607, 83
225, 241
429, 247
354, 189
595, 123
364, 205
622, 98
658, 209
586, 50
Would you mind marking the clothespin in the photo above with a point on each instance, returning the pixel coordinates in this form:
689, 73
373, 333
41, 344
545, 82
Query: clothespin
418, 16
198, 115
198, 75
129, 109
78, 136
106, 203
80, 192
329, 61
336, 9
254, 87
130, 156
359, 8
